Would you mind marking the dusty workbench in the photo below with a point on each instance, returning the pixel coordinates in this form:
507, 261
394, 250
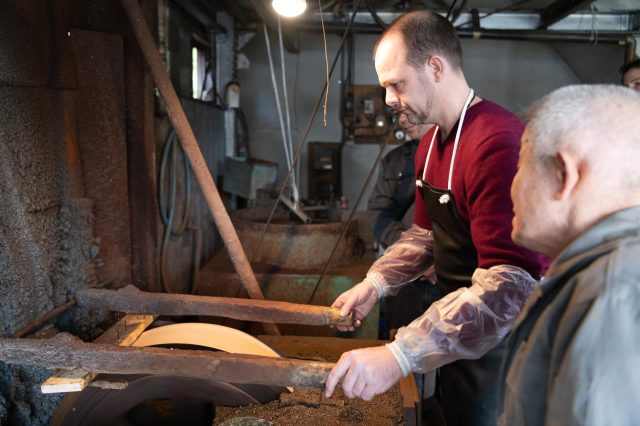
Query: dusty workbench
399, 405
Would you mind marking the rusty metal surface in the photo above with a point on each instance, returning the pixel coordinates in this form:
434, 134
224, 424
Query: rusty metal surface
141, 162
293, 245
68, 352
101, 131
190, 146
132, 300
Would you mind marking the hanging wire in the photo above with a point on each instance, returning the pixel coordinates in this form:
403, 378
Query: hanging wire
453, 4
288, 155
296, 196
326, 61
298, 152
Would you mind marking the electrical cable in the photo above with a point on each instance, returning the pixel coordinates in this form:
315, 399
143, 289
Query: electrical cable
453, 4
306, 131
375, 16
288, 156
367, 181
296, 198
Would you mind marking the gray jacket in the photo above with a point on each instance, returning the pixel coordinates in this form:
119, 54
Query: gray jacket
573, 357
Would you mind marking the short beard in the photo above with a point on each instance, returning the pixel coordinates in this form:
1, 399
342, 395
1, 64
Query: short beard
421, 119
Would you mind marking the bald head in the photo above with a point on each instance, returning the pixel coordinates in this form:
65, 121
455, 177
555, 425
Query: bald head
598, 123
424, 34
578, 164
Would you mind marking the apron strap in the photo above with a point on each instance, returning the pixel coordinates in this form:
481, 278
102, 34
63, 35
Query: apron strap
455, 145
424, 171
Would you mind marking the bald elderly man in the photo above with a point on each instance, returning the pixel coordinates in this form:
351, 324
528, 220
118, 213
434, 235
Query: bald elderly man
574, 355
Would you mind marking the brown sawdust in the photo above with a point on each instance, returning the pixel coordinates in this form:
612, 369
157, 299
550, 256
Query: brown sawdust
306, 407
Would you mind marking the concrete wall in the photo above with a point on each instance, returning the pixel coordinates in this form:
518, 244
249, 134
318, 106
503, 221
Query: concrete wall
513, 74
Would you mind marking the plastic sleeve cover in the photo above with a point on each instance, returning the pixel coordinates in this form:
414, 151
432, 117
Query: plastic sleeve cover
467, 323
402, 262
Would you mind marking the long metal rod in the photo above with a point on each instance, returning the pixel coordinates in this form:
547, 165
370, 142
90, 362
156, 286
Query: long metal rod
188, 140
70, 353
298, 153
52, 314
131, 300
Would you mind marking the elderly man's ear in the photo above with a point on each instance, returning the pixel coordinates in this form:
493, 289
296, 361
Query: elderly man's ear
567, 175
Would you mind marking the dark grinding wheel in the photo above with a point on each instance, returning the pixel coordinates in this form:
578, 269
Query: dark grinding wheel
169, 400
157, 400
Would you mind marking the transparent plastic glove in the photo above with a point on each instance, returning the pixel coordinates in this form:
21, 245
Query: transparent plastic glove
403, 262
359, 300
466, 323
367, 373
430, 276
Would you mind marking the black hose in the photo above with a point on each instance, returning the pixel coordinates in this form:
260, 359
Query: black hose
374, 15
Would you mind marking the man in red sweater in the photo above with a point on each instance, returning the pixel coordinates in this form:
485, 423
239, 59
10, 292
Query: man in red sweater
462, 224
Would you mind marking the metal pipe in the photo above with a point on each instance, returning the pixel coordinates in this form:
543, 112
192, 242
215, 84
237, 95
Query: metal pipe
52, 314
188, 140
610, 37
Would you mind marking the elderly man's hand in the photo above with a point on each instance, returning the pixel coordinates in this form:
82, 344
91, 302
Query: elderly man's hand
360, 299
367, 372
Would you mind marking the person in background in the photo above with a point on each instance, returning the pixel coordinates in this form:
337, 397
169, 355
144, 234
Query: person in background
572, 358
462, 222
391, 203
631, 75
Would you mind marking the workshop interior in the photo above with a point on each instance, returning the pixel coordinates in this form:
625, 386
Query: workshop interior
184, 183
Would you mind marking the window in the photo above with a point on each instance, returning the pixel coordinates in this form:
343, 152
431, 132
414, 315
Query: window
198, 72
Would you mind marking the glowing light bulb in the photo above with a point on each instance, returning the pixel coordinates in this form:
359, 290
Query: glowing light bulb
289, 8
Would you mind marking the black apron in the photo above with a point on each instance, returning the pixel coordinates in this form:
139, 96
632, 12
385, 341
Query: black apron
467, 389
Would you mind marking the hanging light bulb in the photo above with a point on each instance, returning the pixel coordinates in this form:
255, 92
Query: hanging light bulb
289, 8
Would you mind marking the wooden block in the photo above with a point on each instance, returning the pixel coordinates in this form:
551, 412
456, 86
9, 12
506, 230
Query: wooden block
123, 333
410, 401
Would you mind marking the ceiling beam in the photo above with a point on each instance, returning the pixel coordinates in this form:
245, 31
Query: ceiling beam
267, 14
560, 9
237, 12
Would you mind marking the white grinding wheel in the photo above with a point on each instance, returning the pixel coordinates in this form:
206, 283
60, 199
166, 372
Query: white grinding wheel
207, 335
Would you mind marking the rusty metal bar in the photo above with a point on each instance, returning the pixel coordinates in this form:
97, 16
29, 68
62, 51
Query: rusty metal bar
54, 313
132, 300
187, 139
69, 352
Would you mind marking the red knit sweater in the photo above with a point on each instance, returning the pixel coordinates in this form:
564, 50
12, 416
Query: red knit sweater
484, 167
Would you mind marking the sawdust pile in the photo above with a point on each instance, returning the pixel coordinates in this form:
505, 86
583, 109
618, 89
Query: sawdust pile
306, 407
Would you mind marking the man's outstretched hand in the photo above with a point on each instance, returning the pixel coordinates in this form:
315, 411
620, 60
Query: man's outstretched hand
359, 299
367, 372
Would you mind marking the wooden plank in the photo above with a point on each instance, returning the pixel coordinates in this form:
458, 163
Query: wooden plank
130, 299
123, 333
69, 352
410, 400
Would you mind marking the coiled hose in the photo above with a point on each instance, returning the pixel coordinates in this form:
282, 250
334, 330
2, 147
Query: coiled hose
168, 165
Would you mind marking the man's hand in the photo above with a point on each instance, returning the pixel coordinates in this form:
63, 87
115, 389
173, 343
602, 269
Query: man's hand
360, 299
367, 373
